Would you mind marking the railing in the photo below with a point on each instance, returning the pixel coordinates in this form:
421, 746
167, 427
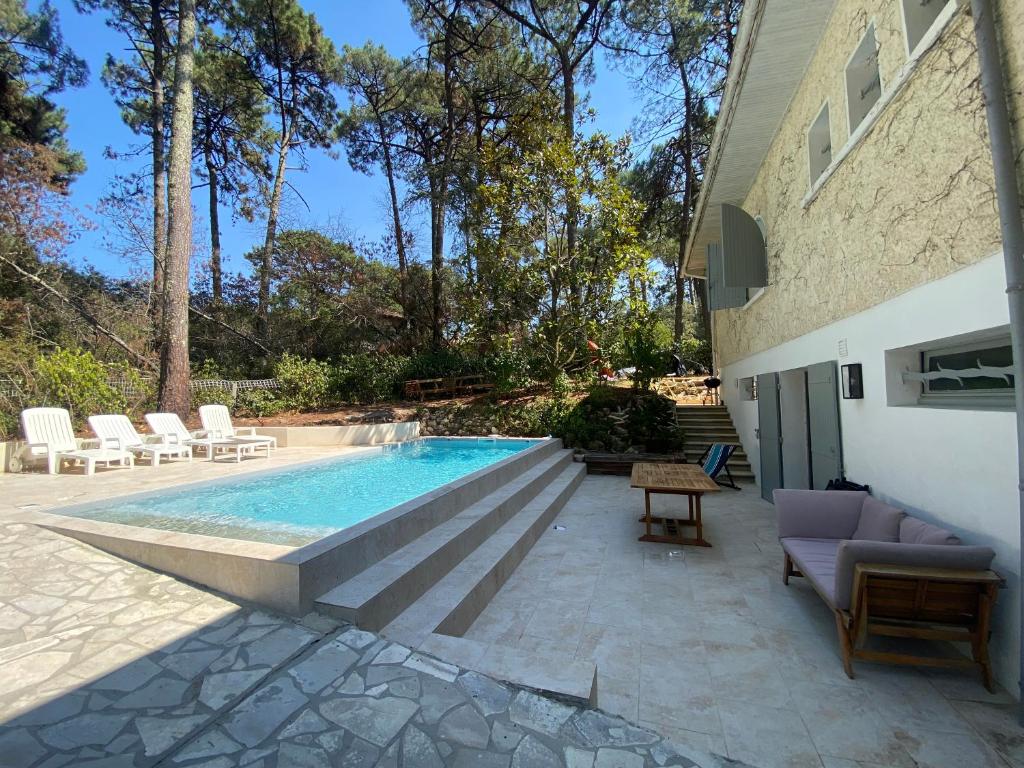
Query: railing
11, 387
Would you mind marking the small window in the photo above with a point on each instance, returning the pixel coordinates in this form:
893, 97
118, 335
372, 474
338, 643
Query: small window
919, 17
748, 388
863, 81
980, 371
819, 144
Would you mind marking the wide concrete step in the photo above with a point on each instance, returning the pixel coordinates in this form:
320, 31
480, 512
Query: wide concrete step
703, 420
378, 594
451, 606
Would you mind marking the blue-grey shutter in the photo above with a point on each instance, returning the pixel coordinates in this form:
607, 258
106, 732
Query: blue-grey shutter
743, 251
721, 296
769, 434
823, 423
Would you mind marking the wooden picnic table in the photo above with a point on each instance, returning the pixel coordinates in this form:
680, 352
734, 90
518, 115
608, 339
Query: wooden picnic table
675, 479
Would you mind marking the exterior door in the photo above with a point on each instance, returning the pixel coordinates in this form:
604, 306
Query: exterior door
769, 433
823, 423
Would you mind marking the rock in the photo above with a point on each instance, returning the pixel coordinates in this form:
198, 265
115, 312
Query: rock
418, 750
465, 726
357, 639
541, 714
190, 665
296, 756
323, 667
437, 698
353, 685
430, 666
490, 697
505, 736
578, 758
359, 755
162, 692
279, 645
263, 712
532, 754
601, 730
307, 722
617, 758
223, 687
84, 730
211, 744
18, 748
406, 687
393, 654
377, 721
159, 734
472, 758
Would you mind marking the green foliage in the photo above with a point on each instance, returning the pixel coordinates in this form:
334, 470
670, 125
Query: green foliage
509, 368
209, 370
651, 420
74, 379
645, 354
616, 418
304, 383
367, 378
695, 352
259, 403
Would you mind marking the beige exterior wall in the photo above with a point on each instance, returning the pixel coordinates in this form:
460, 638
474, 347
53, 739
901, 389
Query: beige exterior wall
912, 202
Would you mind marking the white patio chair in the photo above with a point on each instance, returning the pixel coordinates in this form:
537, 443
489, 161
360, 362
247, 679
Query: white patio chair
117, 431
49, 433
217, 423
173, 431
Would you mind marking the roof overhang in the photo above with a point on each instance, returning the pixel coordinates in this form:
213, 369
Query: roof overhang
774, 45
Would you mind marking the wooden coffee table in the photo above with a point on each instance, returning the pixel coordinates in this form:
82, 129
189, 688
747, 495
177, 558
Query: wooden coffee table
677, 479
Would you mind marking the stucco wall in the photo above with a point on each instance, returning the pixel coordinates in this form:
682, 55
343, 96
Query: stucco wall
913, 201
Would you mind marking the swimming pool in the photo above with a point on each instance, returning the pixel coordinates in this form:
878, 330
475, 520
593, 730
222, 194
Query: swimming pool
300, 504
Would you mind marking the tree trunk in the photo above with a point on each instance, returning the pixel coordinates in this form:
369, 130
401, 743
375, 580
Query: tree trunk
274, 211
215, 266
436, 261
174, 371
571, 203
159, 188
396, 215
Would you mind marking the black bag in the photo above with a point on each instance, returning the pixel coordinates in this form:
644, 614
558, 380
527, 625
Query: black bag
842, 484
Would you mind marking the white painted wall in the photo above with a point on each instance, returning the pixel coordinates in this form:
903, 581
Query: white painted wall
956, 468
793, 417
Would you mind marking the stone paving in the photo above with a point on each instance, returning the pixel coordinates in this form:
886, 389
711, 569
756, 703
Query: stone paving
105, 664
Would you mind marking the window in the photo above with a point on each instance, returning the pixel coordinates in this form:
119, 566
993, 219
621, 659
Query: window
919, 16
980, 370
863, 81
819, 144
748, 388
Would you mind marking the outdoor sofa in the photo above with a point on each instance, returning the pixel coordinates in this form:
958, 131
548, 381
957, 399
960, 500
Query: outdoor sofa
884, 572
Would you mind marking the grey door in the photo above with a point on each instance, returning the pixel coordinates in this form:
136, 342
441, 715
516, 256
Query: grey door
769, 431
823, 423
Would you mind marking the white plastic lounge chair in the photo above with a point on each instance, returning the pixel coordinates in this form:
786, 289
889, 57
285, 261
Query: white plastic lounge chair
217, 423
173, 431
49, 433
117, 431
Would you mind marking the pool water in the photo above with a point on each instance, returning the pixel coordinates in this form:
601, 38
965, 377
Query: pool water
300, 504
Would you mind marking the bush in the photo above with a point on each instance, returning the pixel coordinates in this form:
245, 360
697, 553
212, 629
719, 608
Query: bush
259, 403
74, 379
367, 378
696, 355
644, 354
303, 383
509, 369
209, 370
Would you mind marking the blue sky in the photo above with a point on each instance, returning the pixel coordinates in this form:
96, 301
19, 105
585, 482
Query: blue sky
333, 192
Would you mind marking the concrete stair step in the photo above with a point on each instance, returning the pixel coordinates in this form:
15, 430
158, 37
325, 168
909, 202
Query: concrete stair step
451, 605
377, 595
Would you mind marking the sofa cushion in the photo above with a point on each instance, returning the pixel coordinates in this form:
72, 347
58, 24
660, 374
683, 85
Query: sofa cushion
817, 514
879, 521
816, 559
914, 531
898, 553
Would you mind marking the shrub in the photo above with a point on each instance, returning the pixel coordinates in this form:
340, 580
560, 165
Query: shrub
695, 354
367, 378
209, 370
509, 369
303, 383
259, 403
644, 354
74, 379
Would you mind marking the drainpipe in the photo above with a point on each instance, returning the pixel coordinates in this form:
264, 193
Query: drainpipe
1012, 230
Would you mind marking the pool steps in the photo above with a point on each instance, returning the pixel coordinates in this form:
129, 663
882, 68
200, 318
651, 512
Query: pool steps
372, 598
428, 593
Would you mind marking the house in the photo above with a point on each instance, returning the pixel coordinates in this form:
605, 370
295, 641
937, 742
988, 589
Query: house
849, 233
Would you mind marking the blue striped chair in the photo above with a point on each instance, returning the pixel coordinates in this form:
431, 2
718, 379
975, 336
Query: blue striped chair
715, 459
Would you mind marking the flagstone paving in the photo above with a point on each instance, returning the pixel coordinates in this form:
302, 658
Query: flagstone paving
105, 664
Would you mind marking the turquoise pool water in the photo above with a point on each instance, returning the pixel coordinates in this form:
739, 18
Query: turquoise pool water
300, 504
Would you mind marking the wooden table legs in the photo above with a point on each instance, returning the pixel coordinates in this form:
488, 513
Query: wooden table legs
694, 519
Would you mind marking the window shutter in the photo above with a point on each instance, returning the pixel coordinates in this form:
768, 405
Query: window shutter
721, 296
745, 258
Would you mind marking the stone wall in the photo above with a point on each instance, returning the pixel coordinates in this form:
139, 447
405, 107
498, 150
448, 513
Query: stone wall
913, 201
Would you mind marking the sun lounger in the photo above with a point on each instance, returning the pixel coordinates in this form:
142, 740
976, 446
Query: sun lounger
172, 430
49, 433
217, 423
117, 431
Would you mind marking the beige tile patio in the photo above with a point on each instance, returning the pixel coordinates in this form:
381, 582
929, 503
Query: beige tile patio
771, 738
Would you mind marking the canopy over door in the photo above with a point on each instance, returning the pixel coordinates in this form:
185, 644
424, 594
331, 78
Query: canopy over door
744, 255
769, 433
823, 417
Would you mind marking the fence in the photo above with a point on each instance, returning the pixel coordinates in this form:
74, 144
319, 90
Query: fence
11, 387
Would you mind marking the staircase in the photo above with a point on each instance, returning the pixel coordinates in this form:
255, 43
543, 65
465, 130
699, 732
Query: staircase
703, 425
426, 594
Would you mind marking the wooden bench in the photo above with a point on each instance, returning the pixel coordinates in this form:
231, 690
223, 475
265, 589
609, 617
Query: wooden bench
449, 386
